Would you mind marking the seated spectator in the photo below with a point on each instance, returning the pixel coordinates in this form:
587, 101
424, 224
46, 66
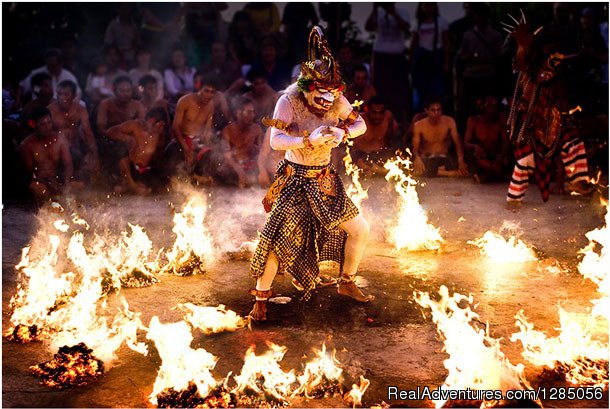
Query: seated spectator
42, 94
432, 138
119, 108
54, 67
224, 70
122, 32
142, 69
71, 120
373, 148
193, 131
179, 76
486, 143
98, 85
360, 89
139, 141
268, 160
114, 111
45, 153
243, 138
263, 97
148, 88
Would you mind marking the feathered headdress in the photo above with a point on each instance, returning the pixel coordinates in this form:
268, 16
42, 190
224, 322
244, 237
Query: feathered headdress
320, 69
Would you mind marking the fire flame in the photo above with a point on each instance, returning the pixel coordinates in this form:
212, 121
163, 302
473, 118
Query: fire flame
576, 351
181, 364
475, 359
594, 265
355, 395
193, 249
355, 191
411, 230
499, 250
212, 320
323, 368
263, 374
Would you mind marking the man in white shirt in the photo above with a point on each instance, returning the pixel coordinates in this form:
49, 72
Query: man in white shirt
311, 218
54, 67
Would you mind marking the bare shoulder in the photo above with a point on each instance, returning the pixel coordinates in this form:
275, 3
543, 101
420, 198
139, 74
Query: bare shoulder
106, 103
28, 142
446, 119
186, 100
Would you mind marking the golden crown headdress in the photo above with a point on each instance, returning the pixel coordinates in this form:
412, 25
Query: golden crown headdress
320, 67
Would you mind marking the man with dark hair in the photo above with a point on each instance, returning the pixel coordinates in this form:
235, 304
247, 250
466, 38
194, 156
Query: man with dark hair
72, 121
193, 127
148, 87
140, 142
432, 137
371, 150
54, 67
42, 93
261, 94
120, 108
242, 140
360, 89
44, 153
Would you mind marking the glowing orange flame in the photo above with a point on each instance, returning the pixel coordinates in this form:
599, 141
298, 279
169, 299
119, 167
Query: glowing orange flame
355, 190
411, 230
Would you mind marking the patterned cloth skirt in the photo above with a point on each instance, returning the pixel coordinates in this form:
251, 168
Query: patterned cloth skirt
303, 226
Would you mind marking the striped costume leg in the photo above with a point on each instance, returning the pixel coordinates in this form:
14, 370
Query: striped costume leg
574, 158
519, 182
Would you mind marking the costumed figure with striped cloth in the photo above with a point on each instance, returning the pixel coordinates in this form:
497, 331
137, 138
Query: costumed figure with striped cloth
311, 219
541, 120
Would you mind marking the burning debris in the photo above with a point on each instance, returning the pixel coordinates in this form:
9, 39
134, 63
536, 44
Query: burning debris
580, 352
574, 353
475, 360
354, 396
212, 320
499, 250
70, 366
22, 334
193, 248
190, 398
411, 230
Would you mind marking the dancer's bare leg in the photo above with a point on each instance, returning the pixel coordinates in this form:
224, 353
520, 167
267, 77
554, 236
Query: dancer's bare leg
357, 230
263, 288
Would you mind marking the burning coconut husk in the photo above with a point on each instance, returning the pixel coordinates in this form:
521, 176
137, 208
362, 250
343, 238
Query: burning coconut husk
475, 361
579, 353
574, 355
411, 230
212, 320
70, 366
22, 334
193, 248
354, 397
499, 250
354, 190
190, 398
322, 376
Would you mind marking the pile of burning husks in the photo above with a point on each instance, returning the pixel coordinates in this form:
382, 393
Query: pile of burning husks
70, 366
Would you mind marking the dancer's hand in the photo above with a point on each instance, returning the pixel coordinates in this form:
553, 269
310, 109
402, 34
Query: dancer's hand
321, 135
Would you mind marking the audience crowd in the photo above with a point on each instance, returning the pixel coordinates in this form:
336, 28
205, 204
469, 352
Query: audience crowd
173, 89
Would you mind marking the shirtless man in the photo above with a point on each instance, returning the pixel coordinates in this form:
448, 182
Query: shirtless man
148, 88
243, 138
120, 108
360, 89
261, 94
141, 140
373, 148
486, 142
71, 120
42, 93
432, 138
44, 153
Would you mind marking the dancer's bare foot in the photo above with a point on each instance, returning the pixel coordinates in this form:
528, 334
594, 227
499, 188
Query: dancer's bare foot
350, 289
259, 311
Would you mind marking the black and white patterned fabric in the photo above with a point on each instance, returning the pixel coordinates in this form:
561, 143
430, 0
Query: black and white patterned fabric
303, 227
